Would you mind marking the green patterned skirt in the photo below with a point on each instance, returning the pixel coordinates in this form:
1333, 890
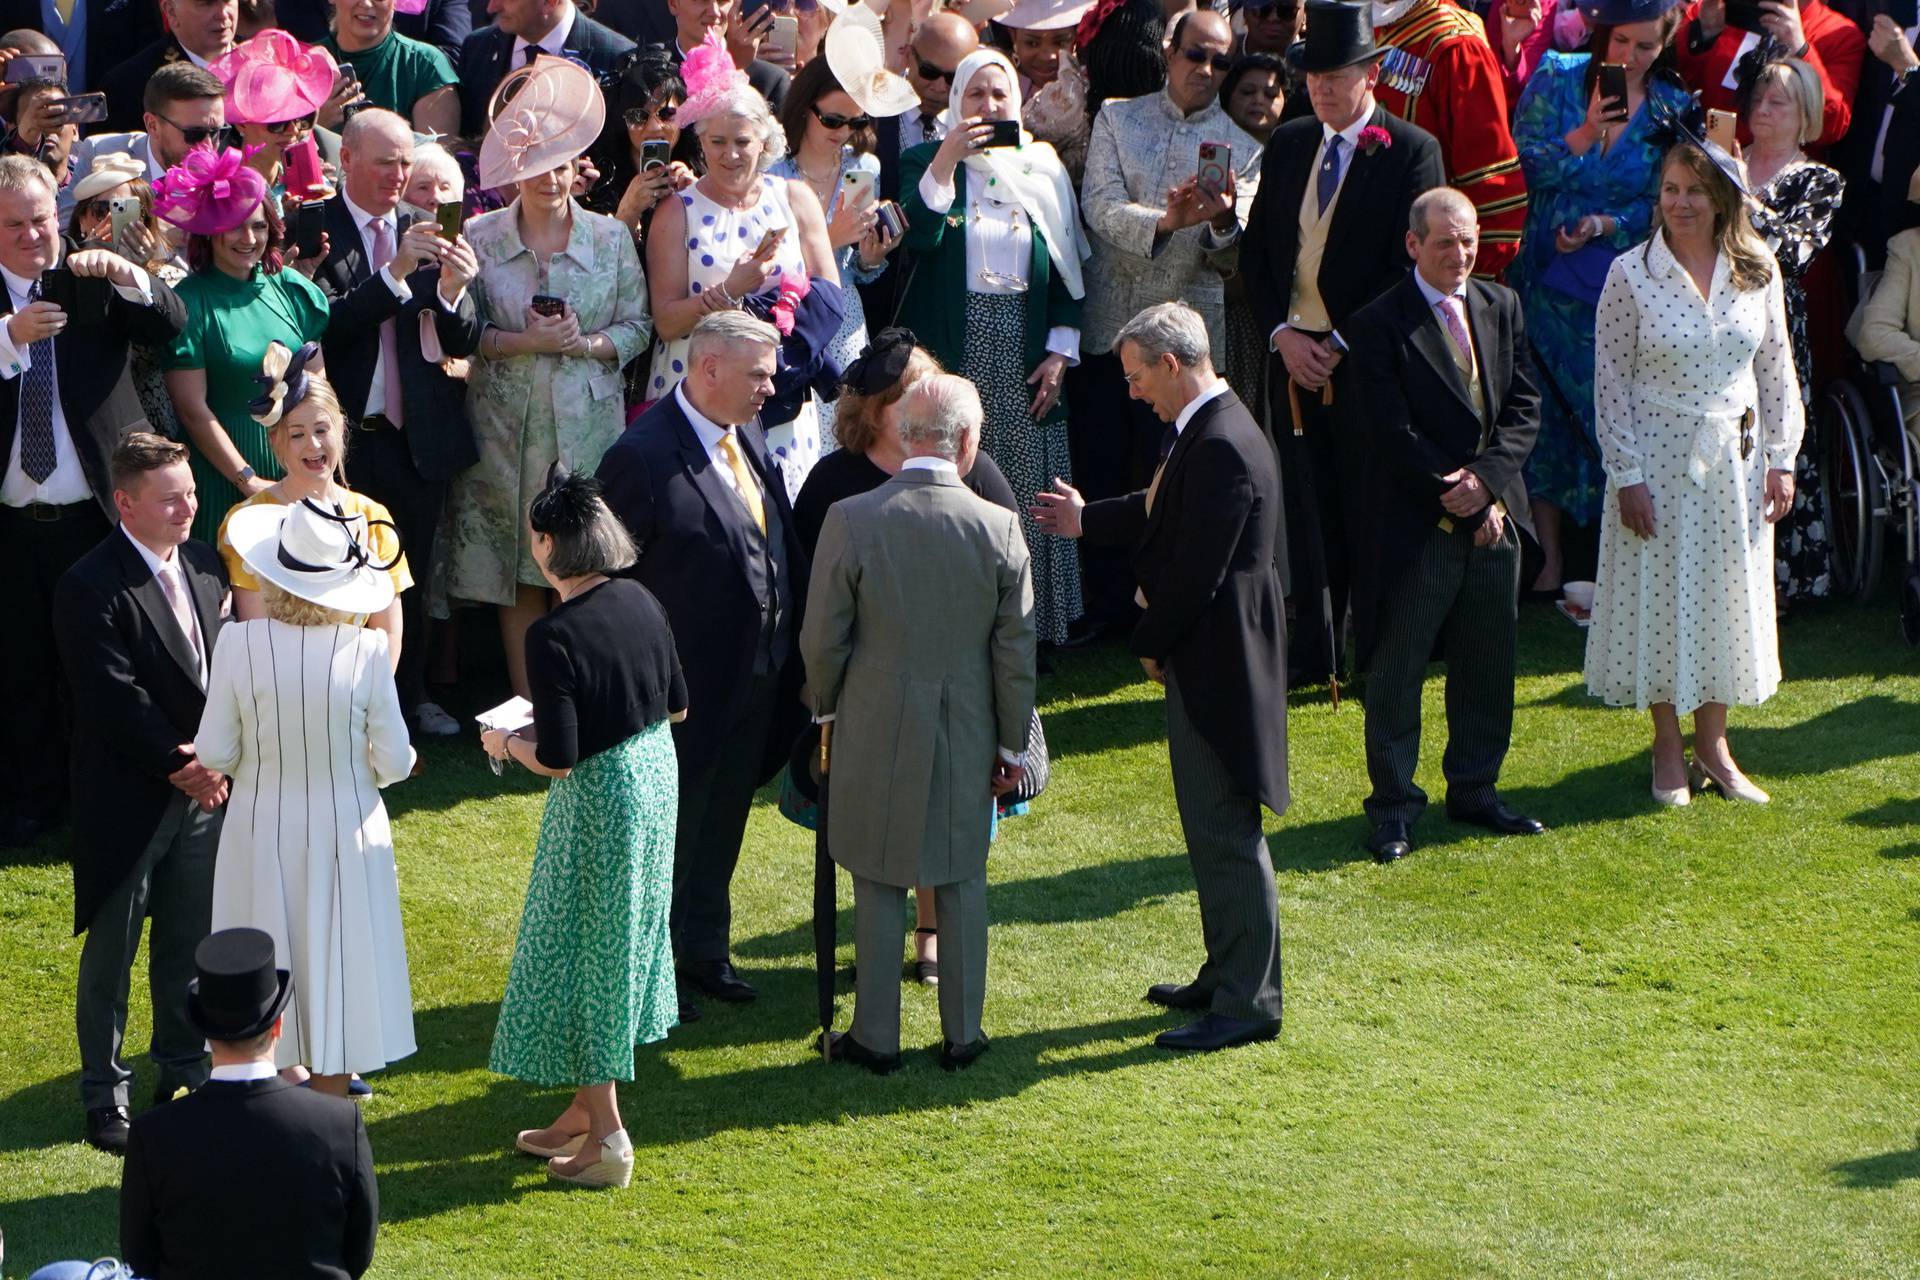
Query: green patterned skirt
593, 970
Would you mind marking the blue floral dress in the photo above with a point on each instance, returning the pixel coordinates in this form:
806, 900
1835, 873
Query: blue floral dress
1622, 182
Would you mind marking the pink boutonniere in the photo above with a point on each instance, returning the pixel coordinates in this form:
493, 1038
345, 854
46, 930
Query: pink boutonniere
1373, 137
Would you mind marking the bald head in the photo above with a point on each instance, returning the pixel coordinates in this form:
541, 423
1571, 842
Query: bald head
376, 159
1199, 47
940, 44
27, 40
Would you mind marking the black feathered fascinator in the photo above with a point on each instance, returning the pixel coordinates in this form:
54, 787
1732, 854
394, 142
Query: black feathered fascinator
882, 363
283, 374
566, 504
1671, 128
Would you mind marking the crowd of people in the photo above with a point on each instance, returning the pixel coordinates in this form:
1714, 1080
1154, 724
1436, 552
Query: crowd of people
792, 383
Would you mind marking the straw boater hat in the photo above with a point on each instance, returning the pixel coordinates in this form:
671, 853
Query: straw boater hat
855, 50
544, 114
114, 169
273, 77
1045, 15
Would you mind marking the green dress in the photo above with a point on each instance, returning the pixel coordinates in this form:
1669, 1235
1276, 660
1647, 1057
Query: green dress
592, 971
229, 324
397, 72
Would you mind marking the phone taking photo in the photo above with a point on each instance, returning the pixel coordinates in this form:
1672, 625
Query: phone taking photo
1721, 129
82, 108
122, 212
1744, 15
546, 304
1216, 159
309, 222
1006, 133
449, 215
1612, 84
655, 153
23, 67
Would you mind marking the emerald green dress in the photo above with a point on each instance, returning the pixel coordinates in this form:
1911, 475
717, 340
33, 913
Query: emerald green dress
229, 324
397, 72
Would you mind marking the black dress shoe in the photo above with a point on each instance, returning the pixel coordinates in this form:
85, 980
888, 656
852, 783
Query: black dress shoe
689, 1011
1083, 633
717, 979
1390, 841
107, 1130
1174, 995
842, 1047
1217, 1032
959, 1058
1502, 820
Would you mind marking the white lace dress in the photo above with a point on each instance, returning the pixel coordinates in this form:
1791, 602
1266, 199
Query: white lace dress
1687, 616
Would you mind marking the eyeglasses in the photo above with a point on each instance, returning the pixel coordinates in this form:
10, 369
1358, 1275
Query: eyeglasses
195, 134
288, 126
637, 117
1272, 9
930, 72
1221, 62
833, 121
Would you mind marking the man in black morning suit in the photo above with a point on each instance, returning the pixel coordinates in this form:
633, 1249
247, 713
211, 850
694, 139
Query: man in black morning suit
1213, 630
1445, 384
519, 32
1323, 240
382, 273
137, 618
707, 508
65, 401
249, 1176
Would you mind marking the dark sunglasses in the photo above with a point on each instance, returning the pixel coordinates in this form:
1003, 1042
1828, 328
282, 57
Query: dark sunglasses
930, 72
1272, 8
637, 117
95, 209
832, 121
198, 133
288, 126
1221, 62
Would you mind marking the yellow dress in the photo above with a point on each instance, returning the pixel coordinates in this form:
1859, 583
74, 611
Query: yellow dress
386, 542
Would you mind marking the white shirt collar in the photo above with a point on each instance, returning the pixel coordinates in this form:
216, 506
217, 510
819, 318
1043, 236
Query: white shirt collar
1433, 295
552, 40
1351, 134
1194, 405
708, 430
20, 284
194, 58
154, 562
361, 217
930, 464
242, 1071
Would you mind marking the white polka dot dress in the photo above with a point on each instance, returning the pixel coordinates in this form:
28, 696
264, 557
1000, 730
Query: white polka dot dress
717, 238
1687, 616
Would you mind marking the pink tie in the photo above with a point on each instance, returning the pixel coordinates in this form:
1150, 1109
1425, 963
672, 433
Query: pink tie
389, 330
1456, 326
182, 614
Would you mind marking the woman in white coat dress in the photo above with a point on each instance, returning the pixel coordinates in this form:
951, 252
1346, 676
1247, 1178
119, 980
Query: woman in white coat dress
303, 716
1699, 421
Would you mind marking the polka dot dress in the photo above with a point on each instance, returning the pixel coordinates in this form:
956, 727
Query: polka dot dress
1687, 616
717, 238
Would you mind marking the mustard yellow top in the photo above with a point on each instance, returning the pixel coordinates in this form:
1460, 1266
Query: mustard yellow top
386, 543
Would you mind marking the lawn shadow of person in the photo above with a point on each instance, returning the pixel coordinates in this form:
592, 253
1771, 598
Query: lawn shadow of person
1878, 1173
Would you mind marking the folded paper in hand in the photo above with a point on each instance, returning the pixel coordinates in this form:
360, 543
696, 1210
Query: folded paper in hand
514, 713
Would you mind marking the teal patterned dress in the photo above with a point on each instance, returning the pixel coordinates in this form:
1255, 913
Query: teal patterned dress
592, 973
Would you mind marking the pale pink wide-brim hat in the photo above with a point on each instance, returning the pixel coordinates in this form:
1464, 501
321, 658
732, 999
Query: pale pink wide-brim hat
1045, 15
273, 77
544, 114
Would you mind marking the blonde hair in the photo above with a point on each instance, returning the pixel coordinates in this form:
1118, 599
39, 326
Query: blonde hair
857, 417
283, 606
1749, 261
320, 392
1801, 83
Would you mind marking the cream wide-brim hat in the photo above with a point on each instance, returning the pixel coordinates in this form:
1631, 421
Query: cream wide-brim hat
1045, 15
544, 115
855, 48
307, 553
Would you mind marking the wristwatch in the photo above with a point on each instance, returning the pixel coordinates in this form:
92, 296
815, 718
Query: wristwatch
243, 475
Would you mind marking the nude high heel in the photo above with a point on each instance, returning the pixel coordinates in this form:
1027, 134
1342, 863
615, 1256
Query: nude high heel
613, 1169
1735, 786
1671, 797
567, 1150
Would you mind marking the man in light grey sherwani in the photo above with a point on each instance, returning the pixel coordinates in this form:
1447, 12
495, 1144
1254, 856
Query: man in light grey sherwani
919, 648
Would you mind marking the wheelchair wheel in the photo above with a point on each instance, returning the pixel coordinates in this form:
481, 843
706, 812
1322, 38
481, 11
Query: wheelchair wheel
1854, 489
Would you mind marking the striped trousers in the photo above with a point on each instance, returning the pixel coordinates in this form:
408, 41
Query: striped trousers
1239, 907
1463, 599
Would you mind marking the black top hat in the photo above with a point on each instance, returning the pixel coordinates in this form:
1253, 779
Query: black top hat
238, 993
803, 763
1338, 35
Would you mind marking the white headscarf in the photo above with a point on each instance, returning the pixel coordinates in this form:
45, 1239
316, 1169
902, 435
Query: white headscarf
1032, 174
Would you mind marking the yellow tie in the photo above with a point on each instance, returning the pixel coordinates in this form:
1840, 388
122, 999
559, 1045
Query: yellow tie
743, 480
65, 8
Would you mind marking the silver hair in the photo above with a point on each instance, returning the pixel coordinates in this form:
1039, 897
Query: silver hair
1169, 329
602, 546
747, 104
431, 157
375, 119
1435, 199
724, 330
938, 414
23, 173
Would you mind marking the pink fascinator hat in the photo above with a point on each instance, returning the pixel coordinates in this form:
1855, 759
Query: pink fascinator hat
544, 114
209, 192
713, 82
273, 77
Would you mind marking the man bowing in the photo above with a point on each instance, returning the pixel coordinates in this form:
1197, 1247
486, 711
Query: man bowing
1442, 368
1213, 632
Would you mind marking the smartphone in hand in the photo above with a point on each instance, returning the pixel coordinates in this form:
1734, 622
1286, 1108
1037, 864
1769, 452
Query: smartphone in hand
1721, 129
1612, 84
546, 304
310, 222
1216, 160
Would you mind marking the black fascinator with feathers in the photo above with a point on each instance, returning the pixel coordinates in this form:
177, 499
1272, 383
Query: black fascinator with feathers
1670, 128
882, 363
566, 504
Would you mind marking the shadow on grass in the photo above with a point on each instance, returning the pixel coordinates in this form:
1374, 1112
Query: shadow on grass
459, 1154
66, 1224
1877, 1173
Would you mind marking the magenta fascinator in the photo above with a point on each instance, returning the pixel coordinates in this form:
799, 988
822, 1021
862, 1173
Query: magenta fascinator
712, 81
209, 192
273, 78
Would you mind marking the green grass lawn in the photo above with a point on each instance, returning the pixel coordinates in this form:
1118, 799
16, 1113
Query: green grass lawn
1652, 1043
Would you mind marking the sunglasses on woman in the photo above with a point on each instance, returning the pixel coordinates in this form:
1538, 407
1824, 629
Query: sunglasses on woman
96, 209
834, 121
288, 126
637, 117
1221, 62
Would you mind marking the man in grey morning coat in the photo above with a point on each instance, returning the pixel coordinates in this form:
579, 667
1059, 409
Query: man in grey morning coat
919, 648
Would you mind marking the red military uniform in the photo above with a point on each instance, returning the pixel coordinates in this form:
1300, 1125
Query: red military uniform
1835, 49
1441, 73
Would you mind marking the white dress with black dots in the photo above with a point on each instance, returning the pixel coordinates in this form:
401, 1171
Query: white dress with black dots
717, 238
1687, 616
